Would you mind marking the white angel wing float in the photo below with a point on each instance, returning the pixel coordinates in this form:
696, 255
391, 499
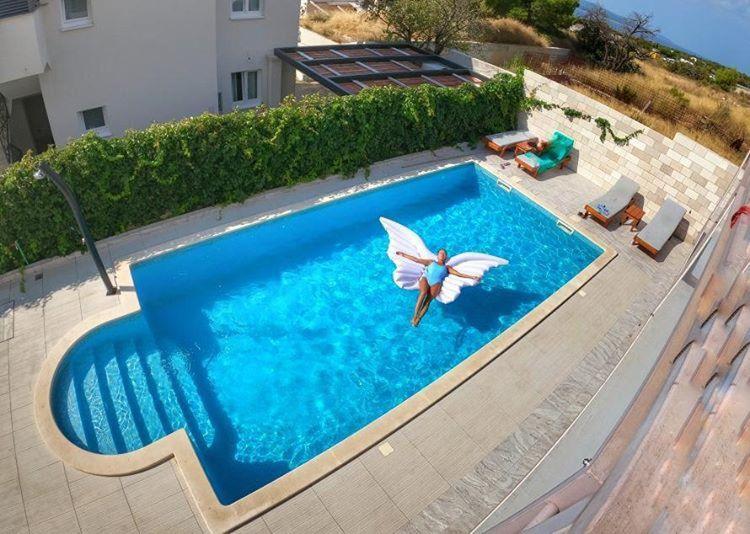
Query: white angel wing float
473, 263
408, 273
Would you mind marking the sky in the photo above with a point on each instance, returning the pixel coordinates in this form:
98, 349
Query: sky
715, 29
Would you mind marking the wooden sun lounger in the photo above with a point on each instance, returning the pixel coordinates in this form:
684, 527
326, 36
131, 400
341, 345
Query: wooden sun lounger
524, 164
556, 154
660, 229
501, 142
616, 199
605, 220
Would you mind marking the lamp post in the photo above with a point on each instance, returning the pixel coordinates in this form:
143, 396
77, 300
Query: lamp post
45, 171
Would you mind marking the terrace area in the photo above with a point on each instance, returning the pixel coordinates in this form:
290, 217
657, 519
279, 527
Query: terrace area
445, 470
484, 455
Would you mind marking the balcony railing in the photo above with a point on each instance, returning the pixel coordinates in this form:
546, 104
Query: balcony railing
11, 8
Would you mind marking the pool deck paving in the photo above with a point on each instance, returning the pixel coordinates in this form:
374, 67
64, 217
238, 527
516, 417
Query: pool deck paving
449, 467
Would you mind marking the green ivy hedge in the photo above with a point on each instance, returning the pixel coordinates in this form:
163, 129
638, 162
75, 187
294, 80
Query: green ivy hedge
173, 168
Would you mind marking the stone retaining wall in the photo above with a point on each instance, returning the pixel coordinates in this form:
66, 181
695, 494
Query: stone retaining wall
679, 168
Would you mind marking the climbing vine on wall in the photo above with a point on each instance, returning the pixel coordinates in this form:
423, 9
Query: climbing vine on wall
532, 103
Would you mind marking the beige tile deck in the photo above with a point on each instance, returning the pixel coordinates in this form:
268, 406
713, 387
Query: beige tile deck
357, 502
303, 513
448, 467
405, 474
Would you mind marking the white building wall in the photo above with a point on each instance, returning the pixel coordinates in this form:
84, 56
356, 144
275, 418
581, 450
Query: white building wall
148, 61
143, 60
23, 36
247, 44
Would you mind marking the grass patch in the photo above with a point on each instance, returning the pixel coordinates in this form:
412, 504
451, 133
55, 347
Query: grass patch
344, 27
352, 26
510, 31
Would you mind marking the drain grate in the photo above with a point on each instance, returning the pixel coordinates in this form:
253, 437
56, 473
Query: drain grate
564, 227
504, 186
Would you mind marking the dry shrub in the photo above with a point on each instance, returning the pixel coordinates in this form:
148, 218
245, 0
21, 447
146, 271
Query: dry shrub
510, 31
666, 127
660, 87
344, 27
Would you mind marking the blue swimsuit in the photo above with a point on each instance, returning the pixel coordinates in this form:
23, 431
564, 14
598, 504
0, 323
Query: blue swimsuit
435, 273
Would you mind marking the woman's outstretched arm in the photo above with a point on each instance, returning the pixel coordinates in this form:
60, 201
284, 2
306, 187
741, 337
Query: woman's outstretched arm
454, 272
413, 258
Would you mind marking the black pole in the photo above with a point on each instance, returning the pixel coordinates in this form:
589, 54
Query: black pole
47, 171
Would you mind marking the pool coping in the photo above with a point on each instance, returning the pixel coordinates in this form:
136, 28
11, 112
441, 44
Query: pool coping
177, 445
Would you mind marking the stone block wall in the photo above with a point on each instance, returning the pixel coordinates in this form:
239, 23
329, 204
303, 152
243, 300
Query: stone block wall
679, 168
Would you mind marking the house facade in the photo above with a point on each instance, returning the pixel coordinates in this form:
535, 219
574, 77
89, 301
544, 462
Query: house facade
72, 66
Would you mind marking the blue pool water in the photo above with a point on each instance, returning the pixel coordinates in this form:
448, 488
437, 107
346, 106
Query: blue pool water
274, 343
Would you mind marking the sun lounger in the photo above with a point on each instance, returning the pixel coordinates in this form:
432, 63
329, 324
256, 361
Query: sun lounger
556, 154
662, 226
500, 142
619, 196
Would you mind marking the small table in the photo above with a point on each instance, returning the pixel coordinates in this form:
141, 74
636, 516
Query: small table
523, 148
633, 213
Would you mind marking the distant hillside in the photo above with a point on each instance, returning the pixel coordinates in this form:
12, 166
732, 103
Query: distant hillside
617, 22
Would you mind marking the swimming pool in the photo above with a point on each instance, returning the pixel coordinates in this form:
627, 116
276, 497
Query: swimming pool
271, 344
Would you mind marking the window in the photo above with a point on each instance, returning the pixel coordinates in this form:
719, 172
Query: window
75, 14
93, 120
245, 89
246, 9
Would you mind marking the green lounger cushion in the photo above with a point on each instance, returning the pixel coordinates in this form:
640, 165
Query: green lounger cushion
559, 148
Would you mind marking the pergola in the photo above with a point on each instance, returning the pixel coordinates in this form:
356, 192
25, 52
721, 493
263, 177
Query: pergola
347, 69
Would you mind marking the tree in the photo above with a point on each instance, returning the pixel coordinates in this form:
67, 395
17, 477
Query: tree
515, 9
726, 78
550, 16
699, 70
435, 24
612, 49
